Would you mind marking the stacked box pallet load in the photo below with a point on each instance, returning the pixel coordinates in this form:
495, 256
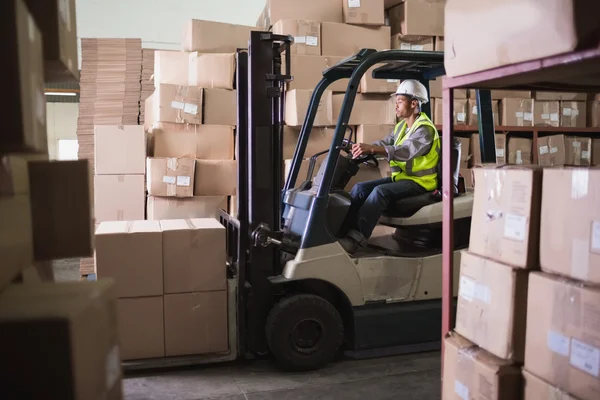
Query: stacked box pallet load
45, 209
146, 80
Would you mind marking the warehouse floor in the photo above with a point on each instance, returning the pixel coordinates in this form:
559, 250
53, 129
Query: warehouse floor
404, 377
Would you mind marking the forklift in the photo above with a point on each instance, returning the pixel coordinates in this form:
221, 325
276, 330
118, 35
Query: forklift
300, 297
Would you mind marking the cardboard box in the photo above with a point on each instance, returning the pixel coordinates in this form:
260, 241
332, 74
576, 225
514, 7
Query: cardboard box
562, 335
308, 71
312, 10
302, 173
435, 90
472, 373
14, 175
546, 113
170, 177
212, 71
368, 84
418, 17
520, 151
391, 3
595, 114
193, 255
506, 215
461, 112
196, 323
118, 198
24, 125
119, 149
415, 43
345, 40
537, 39
320, 139
159, 208
536, 388
369, 109
210, 142
596, 152
473, 112
141, 327
233, 206
560, 150
215, 178
171, 68
467, 174
437, 108
439, 43
177, 104
372, 133
491, 308
307, 35
296, 108
75, 326
573, 114
476, 160
16, 236
364, 12
517, 112
61, 209
560, 96
570, 225
220, 107
465, 151
127, 251
57, 23
504, 94
214, 37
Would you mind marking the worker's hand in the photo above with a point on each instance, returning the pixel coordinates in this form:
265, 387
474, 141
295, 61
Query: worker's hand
361, 149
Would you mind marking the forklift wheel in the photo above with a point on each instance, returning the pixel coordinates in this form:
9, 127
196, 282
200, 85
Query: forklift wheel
304, 332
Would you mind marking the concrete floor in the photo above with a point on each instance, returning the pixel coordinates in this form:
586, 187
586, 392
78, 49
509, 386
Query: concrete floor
406, 377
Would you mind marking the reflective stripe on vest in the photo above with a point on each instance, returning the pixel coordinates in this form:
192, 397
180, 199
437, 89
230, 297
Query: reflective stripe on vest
426, 177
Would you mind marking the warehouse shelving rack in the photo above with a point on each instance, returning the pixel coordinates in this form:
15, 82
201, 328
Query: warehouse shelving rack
577, 71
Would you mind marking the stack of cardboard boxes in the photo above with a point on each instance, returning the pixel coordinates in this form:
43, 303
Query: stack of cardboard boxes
45, 209
147, 86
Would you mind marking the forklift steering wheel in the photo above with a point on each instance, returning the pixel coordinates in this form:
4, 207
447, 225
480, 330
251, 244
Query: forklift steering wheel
367, 159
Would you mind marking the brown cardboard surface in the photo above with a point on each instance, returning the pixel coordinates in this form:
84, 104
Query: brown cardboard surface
435, 90
75, 326
159, 208
562, 335
368, 84
437, 115
475, 158
312, 10
179, 104
16, 236
345, 40
595, 114
24, 125
210, 142
171, 68
536, 388
439, 43
491, 308
560, 96
461, 112
520, 151
505, 94
596, 152
573, 114
501, 148
465, 151
517, 112
302, 173
307, 35
220, 107
474, 117
528, 39
61, 209
171, 177
296, 107
467, 174
127, 251
546, 113
570, 225
196, 323
215, 178
193, 255
369, 109
415, 43
141, 328
212, 71
118, 198
14, 175
57, 22
372, 133
308, 71
418, 17
472, 373
233, 206
506, 215
119, 149
560, 150
214, 37
320, 139
363, 12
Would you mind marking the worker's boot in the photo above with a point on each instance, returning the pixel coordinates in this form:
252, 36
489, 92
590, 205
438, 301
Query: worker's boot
352, 242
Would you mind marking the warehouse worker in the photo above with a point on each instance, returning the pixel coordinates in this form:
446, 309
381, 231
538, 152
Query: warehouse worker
413, 151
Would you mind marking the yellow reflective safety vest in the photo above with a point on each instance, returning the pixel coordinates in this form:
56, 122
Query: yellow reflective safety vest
421, 169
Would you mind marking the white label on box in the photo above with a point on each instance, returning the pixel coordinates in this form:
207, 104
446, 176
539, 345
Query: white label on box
417, 47
553, 150
574, 112
466, 288
404, 46
393, 80
519, 114
31, 28
177, 105
170, 180
500, 153
474, 110
483, 293
300, 39
543, 149
353, 3
190, 109
579, 183
461, 390
585, 154
184, 180
545, 116
312, 41
558, 343
519, 157
576, 144
595, 235
585, 357
461, 117
528, 116
567, 112
113, 367
554, 117
515, 227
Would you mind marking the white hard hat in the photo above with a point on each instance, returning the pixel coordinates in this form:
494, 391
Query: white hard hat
413, 88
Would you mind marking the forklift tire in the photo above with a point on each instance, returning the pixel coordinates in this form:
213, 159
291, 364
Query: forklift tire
304, 332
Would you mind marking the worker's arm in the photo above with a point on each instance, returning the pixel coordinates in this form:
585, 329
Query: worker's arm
386, 141
417, 144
